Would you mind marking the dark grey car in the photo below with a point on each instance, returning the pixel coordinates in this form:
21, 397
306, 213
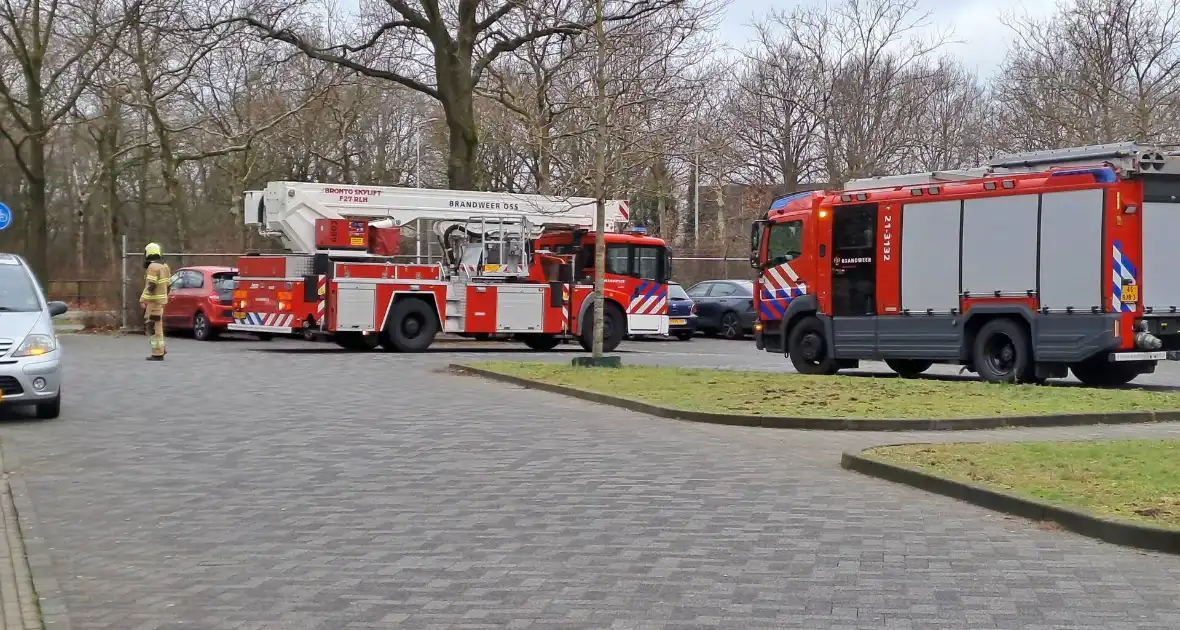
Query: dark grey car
724, 307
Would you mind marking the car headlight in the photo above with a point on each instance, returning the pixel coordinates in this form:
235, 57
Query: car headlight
36, 345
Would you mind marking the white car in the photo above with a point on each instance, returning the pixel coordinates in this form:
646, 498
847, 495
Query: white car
30, 356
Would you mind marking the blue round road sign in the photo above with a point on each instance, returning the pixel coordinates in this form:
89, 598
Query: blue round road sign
5, 216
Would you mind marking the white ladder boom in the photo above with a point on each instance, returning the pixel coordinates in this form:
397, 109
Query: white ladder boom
290, 209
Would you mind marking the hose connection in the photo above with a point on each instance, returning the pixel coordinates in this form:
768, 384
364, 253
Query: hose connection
1145, 340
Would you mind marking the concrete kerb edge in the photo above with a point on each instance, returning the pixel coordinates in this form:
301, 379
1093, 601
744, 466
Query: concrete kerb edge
1116, 532
830, 424
46, 590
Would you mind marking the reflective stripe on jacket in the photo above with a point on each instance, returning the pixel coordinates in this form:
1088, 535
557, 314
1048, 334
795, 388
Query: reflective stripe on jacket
156, 283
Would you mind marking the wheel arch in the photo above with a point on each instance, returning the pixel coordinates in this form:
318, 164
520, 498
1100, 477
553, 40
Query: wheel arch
588, 304
428, 297
977, 316
802, 307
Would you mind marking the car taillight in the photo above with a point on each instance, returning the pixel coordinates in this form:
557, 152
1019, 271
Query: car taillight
694, 308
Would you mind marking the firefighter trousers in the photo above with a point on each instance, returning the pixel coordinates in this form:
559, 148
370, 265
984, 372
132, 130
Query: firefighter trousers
154, 321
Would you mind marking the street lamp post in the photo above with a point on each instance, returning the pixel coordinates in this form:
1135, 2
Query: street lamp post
696, 190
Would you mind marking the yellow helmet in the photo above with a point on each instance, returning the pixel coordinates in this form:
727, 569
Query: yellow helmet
152, 249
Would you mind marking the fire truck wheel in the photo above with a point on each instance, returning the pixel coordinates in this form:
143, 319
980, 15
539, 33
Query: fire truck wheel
1002, 352
411, 326
541, 342
908, 368
809, 349
614, 327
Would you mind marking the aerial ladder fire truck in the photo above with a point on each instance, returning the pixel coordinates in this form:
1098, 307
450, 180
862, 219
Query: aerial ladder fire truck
517, 266
1023, 269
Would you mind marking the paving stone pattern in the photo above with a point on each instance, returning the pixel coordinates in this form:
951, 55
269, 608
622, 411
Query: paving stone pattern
286, 485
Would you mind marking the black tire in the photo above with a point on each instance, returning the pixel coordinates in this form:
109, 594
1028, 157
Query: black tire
411, 326
731, 326
808, 348
908, 368
614, 328
541, 342
1002, 352
309, 332
49, 410
684, 336
264, 336
202, 329
1098, 373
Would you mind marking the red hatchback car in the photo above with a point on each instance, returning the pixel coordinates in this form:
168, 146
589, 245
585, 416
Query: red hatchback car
200, 300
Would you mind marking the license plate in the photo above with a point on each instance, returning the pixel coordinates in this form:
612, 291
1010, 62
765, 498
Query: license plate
678, 322
1130, 293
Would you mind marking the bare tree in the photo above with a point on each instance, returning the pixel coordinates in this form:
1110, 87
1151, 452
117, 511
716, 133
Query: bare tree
460, 41
1098, 71
54, 46
207, 93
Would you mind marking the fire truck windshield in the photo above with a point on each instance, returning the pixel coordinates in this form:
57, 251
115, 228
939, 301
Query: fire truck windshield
785, 242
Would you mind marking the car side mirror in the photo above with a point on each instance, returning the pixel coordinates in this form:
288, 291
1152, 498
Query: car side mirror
58, 308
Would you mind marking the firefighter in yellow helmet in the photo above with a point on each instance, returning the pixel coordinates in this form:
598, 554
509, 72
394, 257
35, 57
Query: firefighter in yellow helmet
154, 297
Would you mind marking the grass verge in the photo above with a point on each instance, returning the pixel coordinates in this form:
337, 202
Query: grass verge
1134, 480
797, 395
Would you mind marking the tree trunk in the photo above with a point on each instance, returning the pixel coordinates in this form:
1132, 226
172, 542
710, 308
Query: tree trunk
544, 160
458, 102
662, 213
37, 249
600, 140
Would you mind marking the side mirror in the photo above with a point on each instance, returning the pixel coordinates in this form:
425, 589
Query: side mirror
58, 308
756, 243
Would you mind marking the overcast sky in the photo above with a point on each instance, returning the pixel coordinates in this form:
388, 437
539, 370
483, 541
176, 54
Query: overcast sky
975, 25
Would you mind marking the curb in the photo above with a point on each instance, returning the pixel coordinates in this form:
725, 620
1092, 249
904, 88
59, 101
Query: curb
1116, 532
47, 595
831, 424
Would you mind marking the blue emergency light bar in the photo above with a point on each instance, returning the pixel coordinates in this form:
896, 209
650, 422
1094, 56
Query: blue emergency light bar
1102, 174
638, 230
781, 202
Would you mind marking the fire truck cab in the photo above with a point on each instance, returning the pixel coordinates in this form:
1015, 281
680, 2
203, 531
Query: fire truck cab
1031, 266
512, 265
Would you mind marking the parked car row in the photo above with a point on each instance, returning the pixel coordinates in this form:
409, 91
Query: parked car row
714, 307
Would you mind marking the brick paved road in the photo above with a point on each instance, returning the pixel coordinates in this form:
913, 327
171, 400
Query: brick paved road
286, 485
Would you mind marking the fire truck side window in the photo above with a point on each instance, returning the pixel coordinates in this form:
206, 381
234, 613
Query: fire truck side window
785, 243
616, 259
648, 260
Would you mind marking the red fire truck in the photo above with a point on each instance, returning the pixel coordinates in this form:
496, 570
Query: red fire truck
1020, 270
511, 265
